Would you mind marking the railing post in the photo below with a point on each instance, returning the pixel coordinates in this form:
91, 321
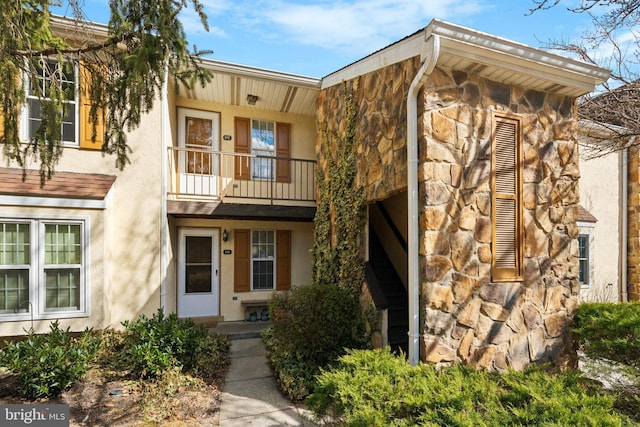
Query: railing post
273, 174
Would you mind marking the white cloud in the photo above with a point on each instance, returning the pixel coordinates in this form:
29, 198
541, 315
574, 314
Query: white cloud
193, 26
622, 50
351, 26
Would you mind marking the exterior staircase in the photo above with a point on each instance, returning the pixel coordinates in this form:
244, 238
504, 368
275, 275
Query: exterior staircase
388, 292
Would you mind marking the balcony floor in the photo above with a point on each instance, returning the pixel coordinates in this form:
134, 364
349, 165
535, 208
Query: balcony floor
210, 209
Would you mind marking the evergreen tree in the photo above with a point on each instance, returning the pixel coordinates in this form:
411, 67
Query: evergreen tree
122, 69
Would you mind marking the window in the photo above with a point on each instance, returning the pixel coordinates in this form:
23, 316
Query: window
583, 258
15, 267
265, 141
506, 191
263, 147
38, 90
41, 267
262, 260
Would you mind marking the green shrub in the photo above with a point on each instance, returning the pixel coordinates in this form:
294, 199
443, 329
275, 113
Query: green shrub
48, 364
311, 326
609, 331
212, 358
155, 344
612, 332
376, 388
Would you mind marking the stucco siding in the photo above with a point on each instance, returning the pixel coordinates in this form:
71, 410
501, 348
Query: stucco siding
600, 194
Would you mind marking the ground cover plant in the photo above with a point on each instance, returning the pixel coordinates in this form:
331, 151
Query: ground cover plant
377, 388
311, 326
608, 335
157, 370
610, 331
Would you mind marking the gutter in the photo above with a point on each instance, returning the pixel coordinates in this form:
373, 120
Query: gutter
430, 53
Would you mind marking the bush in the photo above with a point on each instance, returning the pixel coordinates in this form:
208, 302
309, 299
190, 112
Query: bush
376, 388
155, 344
212, 358
609, 331
311, 326
47, 364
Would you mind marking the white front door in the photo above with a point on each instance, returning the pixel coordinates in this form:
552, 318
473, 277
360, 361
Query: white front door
198, 272
199, 134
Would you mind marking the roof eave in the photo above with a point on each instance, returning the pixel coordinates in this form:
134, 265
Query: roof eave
561, 74
246, 71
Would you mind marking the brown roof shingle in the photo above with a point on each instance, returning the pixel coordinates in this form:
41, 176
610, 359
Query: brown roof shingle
63, 184
585, 215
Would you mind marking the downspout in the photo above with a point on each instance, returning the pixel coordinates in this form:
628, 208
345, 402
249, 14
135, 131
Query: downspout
624, 168
430, 54
164, 121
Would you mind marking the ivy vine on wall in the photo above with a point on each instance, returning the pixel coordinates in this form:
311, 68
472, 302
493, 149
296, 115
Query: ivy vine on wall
340, 214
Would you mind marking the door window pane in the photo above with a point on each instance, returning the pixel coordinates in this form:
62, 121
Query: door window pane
198, 264
199, 136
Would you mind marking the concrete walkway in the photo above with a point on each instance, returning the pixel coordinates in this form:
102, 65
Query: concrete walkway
250, 395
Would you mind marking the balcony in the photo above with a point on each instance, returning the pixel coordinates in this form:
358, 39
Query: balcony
216, 176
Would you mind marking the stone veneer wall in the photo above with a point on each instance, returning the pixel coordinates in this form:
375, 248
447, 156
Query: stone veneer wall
633, 225
464, 316
382, 126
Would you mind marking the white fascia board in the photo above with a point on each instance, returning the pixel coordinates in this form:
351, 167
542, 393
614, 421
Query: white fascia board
261, 74
482, 48
586, 224
55, 202
397, 52
77, 29
517, 51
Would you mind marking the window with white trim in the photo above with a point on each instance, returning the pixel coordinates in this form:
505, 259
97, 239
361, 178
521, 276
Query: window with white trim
583, 258
38, 90
42, 267
263, 139
263, 250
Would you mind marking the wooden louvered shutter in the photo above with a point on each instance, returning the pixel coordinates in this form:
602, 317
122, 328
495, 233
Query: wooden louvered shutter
283, 149
506, 189
242, 261
86, 140
283, 260
242, 145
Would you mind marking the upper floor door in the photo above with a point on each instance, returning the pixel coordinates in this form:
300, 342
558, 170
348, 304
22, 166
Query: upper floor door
199, 159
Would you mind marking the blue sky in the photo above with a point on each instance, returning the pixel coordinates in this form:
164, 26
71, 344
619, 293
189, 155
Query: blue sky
316, 37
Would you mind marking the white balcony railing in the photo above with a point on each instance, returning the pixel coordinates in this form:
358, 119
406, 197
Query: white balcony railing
197, 173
